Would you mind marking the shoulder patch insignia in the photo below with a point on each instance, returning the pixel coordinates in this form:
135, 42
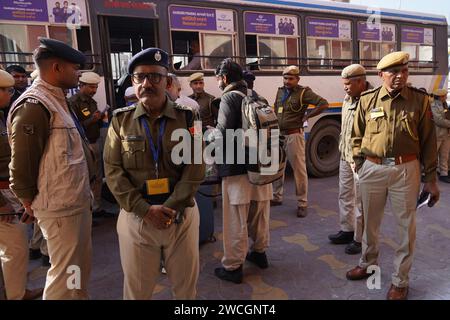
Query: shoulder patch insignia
121, 110
33, 101
28, 129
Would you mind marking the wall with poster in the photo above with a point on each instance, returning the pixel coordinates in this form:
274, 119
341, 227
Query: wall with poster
266, 23
193, 18
24, 10
71, 12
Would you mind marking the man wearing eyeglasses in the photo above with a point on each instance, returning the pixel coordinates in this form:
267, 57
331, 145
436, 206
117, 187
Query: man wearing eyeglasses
159, 219
393, 135
291, 107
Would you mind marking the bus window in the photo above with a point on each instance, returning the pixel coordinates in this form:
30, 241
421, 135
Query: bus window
418, 42
272, 40
201, 37
215, 48
22, 40
329, 43
375, 41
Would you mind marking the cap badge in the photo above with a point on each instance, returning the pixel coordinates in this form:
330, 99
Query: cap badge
158, 56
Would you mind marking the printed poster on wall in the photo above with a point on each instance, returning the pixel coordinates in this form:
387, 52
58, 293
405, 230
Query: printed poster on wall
72, 12
376, 32
191, 18
265, 23
417, 35
329, 28
24, 10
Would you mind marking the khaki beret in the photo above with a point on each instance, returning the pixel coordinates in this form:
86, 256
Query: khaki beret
291, 70
90, 78
393, 59
198, 76
440, 92
34, 74
352, 71
6, 80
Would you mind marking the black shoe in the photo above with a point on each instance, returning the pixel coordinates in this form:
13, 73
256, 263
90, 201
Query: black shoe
445, 179
342, 237
46, 261
353, 248
234, 276
258, 258
35, 254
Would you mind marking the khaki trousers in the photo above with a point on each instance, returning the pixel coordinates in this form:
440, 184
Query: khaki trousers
142, 247
14, 258
14, 253
443, 147
350, 211
401, 184
38, 241
70, 248
246, 210
295, 151
97, 184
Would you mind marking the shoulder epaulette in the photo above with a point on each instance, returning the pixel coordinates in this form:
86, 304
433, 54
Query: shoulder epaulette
182, 107
370, 91
125, 109
417, 90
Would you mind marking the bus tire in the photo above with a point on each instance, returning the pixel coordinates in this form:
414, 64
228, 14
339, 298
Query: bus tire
322, 149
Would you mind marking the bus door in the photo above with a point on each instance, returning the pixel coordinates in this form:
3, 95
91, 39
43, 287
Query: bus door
121, 38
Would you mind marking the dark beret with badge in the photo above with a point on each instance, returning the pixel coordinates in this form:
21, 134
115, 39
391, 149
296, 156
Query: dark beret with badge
62, 50
150, 56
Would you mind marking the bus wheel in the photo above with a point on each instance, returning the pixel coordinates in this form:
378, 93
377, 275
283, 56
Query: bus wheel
322, 149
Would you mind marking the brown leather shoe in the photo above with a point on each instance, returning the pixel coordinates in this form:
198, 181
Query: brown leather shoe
302, 212
33, 294
396, 293
357, 273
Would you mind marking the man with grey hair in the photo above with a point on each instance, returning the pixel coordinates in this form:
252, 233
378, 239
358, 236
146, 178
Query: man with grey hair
350, 213
174, 93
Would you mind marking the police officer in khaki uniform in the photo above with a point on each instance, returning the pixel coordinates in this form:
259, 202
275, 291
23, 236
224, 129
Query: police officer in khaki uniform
208, 113
85, 108
13, 234
291, 106
441, 118
350, 213
393, 129
50, 168
159, 218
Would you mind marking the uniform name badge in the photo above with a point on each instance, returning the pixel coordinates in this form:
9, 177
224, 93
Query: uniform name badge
157, 186
376, 113
280, 110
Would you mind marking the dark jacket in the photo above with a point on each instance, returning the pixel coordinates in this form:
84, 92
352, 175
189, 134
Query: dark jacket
230, 117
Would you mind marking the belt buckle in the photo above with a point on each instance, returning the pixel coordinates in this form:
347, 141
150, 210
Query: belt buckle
388, 161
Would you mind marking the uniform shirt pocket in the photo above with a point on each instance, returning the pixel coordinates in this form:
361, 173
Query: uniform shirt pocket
133, 151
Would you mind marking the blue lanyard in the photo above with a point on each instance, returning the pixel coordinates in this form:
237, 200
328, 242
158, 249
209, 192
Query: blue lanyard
156, 150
